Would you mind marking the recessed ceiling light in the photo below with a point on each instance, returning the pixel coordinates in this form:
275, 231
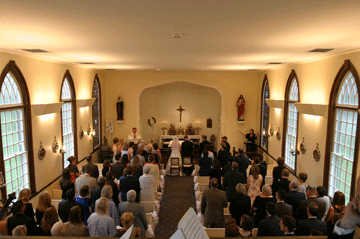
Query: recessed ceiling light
275, 63
35, 50
322, 50
85, 63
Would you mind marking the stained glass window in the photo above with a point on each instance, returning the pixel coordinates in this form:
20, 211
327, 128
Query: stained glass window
292, 122
344, 137
67, 121
97, 112
13, 131
265, 115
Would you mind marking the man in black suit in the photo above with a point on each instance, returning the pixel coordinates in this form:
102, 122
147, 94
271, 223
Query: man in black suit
231, 179
65, 206
203, 144
287, 225
305, 227
243, 162
127, 183
94, 167
96, 194
301, 213
118, 168
283, 183
294, 197
223, 155
19, 218
228, 166
277, 170
187, 147
282, 208
262, 169
226, 144
270, 226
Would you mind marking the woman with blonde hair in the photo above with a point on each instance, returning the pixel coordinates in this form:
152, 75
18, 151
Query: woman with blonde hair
254, 182
107, 192
43, 204
127, 219
138, 169
19, 231
50, 218
101, 217
259, 206
24, 196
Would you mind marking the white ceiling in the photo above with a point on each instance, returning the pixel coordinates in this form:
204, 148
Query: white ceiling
218, 35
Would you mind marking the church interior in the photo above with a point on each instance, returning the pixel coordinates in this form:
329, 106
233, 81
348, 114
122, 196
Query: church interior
162, 55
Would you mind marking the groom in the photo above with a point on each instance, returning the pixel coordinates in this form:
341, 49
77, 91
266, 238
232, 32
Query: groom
187, 148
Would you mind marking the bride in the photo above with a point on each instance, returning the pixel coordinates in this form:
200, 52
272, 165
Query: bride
175, 153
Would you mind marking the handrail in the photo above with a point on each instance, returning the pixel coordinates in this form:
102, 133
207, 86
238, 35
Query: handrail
53, 181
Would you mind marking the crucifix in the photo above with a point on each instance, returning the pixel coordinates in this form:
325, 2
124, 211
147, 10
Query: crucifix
180, 110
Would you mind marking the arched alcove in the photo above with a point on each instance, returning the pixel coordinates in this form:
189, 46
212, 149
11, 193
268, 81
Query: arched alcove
161, 101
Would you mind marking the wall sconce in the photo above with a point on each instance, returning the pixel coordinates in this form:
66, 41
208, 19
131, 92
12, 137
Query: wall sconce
316, 153
62, 150
294, 152
89, 130
81, 134
278, 134
41, 152
93, 134
55, 145
197, 124
265, 135
271, 130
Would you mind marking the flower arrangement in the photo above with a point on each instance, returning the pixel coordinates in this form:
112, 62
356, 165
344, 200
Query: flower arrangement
190, 130
172, 130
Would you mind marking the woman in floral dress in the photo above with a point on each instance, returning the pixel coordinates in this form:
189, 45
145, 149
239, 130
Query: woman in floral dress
254, 183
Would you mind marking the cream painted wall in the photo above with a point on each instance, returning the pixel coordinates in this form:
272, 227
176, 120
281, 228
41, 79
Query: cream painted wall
129, 85
161, 102
44, 81
315, 82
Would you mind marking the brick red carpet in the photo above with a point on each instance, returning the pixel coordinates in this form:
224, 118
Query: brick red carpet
178, 197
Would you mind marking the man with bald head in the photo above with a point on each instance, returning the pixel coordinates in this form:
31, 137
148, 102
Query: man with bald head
294, 197
283, 183
213, 203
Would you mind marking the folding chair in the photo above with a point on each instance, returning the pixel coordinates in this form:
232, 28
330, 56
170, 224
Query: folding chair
175, 167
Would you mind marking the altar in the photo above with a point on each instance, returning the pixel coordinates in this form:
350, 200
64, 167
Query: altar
164, 140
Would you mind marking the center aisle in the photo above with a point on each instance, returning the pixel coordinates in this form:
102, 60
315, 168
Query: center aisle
178, 196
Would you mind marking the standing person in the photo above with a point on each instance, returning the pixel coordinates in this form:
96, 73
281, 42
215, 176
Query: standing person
203, 144
254, 183
243, 162
246, 226
75, 226
96, 194
85, 201
287, 225
127, 219
283, 183
94, 167
147, 186
259, 206
74, 171
320, 192
303, 185
106, 167
294, 197
187, 147
251, 138
223, 155
107, 193
282, 208
43, 204
118, 167
217, 172
301, 213
278, 169
306, 226
134, 136
115, 147
231, 179
86, 179
19, 218
138, 169
154, 171
24, 196
270, 226
241, 108
65, 206
241, 204
213, 203
226, 144
50, 218
110, 181
175, 153
65, 183
127, 183
205, 163
101, 217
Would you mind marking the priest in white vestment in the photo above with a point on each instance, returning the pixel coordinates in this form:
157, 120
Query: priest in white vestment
134, 136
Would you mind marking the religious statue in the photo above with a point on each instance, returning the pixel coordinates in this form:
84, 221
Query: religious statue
120, 109
241, 108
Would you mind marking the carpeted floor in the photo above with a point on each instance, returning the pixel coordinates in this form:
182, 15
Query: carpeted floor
178, 197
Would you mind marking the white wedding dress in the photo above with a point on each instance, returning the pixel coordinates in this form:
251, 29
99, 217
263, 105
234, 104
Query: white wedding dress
175, 153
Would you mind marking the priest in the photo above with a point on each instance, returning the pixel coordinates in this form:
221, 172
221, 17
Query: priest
134, 136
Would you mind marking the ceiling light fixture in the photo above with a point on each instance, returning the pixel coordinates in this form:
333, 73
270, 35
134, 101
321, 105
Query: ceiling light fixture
85, 63
275, 63
322, 50
35, 50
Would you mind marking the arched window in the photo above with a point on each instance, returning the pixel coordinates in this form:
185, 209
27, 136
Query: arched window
291, 121
342, 149
68, 118
96, 93
265, 114
16, 159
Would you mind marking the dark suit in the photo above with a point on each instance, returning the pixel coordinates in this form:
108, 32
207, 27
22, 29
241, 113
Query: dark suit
202, 146
277, 173
294, 198
301, 213
283, 209
117, 169
187, 148
205, 166
227, 168
64, 209
283, 184
21, 219
222, 157
94, 169
305, 227
243, 163
126, 184
240, 205
270, 226
213, 203
231, 179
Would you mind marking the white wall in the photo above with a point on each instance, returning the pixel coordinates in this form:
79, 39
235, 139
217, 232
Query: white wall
161, 102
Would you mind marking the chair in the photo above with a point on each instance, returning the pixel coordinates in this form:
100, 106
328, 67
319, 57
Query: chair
215, 232
203, 186
203, 179
175, 167
187, 165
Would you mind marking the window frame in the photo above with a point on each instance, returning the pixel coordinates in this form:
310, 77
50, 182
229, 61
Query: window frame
67, 76
12, 68
345, 68
265, 82
95, 147
286, 118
